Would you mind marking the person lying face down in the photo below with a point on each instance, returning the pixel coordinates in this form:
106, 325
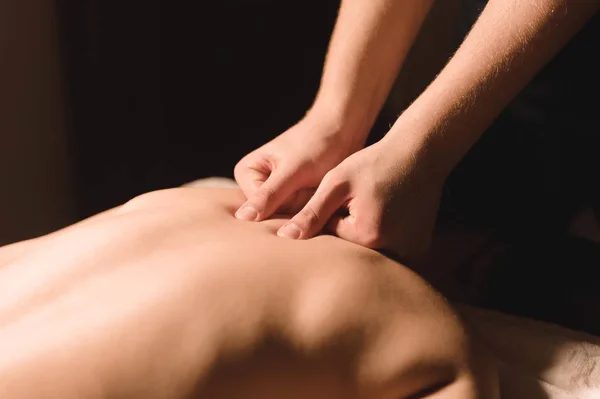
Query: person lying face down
170, 296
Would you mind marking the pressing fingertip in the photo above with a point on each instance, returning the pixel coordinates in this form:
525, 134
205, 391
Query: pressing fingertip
290, 231
247, 212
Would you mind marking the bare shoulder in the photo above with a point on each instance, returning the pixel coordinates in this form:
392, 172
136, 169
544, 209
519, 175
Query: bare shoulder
10, 252
188, 198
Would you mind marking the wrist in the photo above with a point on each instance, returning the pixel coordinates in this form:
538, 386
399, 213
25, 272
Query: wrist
432, 146
351, 117
337, 126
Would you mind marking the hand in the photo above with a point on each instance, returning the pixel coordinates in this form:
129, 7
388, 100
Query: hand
381, 197
282, 175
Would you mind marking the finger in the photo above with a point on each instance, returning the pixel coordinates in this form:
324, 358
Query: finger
346, 226
251, 173
267, 199
314, 216
343, 225
296, 201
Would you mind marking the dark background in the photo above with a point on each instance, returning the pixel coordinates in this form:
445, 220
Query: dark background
162, 93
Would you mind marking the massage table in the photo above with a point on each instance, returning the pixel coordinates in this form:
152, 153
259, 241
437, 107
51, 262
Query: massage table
536, 360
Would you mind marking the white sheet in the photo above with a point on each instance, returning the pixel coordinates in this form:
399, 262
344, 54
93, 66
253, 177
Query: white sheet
539, 360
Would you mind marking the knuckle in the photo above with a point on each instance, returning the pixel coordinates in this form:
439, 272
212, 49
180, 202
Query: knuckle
244, 161
238, 169
372, 241
372, 236
335, 181
332, 178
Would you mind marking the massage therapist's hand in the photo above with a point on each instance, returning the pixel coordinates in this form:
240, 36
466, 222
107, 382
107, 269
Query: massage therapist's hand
282, 175
382, 197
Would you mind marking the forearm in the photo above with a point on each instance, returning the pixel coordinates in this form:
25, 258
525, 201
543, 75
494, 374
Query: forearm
509, 44
369, 44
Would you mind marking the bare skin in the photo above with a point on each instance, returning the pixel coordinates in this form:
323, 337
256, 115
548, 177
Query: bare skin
170, 296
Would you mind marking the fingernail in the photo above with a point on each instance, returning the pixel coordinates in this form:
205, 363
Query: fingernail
247, 213
290, 231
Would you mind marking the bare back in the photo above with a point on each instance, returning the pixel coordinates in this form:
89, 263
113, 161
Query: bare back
169, 296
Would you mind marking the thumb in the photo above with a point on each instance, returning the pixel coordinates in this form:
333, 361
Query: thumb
314, 216
267, 198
